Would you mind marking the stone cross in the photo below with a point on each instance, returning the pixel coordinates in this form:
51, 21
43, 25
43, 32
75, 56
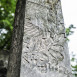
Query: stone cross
45, 51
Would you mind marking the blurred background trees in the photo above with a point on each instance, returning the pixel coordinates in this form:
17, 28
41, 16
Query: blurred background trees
7, 10
69, 30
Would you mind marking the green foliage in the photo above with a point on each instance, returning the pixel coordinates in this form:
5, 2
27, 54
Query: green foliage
74, 65
69, 30
7, 9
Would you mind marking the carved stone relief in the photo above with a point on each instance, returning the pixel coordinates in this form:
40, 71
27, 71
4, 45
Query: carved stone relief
43, 41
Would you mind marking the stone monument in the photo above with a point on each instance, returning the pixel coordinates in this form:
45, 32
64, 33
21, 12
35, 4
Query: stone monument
45, 51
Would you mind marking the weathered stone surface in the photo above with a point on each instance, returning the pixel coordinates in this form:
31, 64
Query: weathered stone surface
45, 51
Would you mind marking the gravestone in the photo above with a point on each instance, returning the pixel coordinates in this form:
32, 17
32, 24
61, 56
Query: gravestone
45, 50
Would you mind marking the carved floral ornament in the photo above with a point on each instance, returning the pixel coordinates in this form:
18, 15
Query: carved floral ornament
44, 38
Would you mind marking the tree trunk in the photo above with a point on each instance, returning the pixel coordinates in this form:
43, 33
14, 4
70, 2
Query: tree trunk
16, 45
44, 48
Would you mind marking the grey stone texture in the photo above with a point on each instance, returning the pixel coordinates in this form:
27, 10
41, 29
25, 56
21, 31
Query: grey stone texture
45, 51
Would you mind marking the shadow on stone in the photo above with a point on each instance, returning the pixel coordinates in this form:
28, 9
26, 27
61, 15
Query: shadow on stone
3, 70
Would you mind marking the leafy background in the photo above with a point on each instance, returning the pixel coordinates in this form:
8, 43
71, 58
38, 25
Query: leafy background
7, 10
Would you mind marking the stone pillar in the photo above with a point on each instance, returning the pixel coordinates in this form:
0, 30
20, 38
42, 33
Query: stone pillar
45, 51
